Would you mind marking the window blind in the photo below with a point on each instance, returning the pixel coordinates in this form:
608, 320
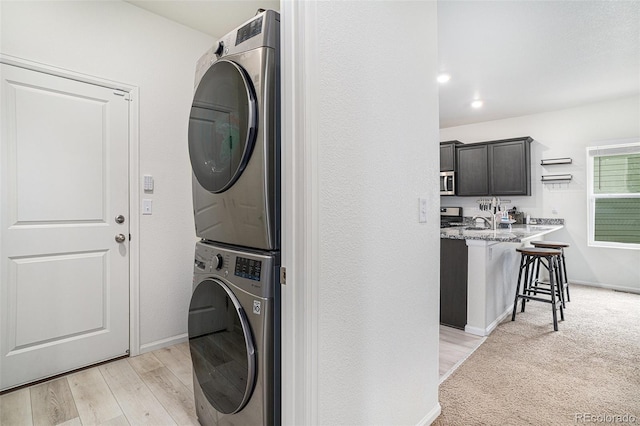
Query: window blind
616, 174
617, 220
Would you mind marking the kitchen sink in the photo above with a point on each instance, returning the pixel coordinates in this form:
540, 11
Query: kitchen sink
477, 228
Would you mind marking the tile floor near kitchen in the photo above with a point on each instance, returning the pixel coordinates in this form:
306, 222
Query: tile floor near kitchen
154, 388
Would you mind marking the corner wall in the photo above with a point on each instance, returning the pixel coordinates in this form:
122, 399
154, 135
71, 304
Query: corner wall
566, 133
116, 41
374, 269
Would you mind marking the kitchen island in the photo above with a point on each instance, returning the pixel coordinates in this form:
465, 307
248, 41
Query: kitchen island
492, 269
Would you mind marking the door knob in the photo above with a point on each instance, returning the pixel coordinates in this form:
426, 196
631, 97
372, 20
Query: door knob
119, 219
120, 238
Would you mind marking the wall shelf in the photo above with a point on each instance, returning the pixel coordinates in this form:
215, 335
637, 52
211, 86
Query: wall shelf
554, 161
556, 178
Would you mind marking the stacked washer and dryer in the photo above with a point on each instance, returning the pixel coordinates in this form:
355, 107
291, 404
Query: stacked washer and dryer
234, 146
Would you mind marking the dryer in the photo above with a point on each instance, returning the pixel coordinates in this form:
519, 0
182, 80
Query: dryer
234, 336
234, 137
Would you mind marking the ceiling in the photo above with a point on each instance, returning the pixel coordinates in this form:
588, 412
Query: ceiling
518, 57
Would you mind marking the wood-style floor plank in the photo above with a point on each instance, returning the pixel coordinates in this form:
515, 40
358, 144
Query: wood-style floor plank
118, 421
15, 408
52, 402
73, 422
174, 396
178, 362
94, 400
145, 362
136, 400
184, 347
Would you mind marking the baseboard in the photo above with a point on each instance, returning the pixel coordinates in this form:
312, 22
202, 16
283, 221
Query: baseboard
431, 416
607, 286
159, 344
498, 320
477, 331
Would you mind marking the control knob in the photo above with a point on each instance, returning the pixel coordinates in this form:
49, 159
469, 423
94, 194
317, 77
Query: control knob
217, 261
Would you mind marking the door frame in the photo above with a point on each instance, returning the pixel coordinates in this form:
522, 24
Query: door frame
133, 177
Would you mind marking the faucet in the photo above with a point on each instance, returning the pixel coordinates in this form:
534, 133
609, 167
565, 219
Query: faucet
491, 223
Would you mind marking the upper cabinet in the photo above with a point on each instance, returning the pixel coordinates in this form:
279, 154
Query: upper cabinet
494, 168
448, 155
473, 168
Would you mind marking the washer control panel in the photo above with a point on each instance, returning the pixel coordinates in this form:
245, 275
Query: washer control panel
248, 268
252, 271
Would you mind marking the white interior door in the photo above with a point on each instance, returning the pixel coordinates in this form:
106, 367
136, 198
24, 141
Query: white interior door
64, 291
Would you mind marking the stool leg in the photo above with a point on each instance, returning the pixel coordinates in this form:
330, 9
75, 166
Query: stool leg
559, 281
554, 290
515, 299
534, 281
528, 276
566, 280
553, 293
559, 289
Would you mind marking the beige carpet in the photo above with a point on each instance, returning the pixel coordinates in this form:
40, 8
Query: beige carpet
527, 374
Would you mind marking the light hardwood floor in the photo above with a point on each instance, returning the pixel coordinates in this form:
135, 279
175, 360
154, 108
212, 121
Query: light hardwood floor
151, 389
455, 348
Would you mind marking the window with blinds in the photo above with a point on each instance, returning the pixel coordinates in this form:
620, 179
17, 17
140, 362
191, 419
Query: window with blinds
614, 199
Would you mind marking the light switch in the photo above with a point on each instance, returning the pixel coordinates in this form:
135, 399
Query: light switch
148, 183
147, 206
423, 210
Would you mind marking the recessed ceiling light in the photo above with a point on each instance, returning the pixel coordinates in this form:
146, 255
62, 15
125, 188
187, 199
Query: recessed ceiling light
477, 103
443, 78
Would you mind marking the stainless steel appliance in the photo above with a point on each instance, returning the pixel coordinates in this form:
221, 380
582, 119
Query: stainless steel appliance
234, 137
450, 216
234, 146
234, 336
447, 183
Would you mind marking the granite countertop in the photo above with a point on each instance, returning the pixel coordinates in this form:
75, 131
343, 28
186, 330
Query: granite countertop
516, 234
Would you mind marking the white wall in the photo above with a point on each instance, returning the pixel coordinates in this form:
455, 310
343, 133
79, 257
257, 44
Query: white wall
120, 42
566, 133
373, 118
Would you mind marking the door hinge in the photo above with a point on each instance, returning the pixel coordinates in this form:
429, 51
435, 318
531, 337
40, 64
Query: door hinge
283, 275
129, 237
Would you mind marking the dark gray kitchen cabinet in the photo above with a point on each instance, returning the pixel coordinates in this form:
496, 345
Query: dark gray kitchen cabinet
473, 169
495, 168
453, 282
448, 155
510, 167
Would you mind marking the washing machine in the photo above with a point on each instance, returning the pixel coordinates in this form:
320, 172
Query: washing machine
234, 336
234, 137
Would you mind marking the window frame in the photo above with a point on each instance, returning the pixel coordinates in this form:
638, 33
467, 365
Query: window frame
631, 146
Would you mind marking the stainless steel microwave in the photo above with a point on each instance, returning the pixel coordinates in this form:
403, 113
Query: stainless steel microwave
447, 183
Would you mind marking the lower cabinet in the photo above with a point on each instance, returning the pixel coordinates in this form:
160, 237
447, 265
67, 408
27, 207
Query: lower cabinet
453, 282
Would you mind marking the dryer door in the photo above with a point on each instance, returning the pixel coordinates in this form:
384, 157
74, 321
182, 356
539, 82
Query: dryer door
222, 126
221, 345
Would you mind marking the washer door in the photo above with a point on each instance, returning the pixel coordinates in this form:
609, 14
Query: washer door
222, 126
221, 345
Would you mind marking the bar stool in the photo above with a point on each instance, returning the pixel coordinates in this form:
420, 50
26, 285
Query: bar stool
562, 265
531, 260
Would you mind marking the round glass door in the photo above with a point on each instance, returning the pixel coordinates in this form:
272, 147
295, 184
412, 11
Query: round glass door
222, 126
221, 346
